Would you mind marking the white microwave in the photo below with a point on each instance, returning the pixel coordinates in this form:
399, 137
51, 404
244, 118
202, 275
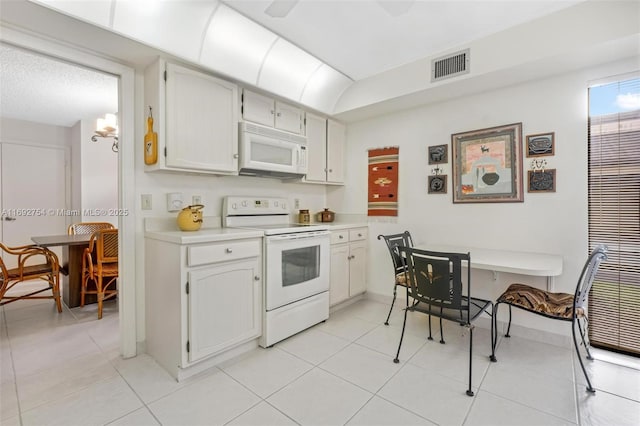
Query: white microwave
265, 151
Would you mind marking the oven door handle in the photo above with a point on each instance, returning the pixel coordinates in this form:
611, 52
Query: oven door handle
298, 236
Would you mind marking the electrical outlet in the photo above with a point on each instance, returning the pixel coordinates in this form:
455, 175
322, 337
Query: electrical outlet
196, 199
145, 200
296, 203
174, 201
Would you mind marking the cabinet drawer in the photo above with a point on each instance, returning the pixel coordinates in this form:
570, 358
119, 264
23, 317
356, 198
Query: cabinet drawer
222, 252
338, 237
358, 234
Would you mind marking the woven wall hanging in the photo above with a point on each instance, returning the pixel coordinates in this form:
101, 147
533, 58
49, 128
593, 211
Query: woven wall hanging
383, 181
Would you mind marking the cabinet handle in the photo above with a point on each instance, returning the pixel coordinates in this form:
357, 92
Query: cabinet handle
279, 114
256, 278
272, 112
340, 236
235, 155
359, 235
330, 170
229, 250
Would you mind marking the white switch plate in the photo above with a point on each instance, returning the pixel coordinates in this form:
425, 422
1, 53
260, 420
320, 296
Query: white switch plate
174, 201
146, 202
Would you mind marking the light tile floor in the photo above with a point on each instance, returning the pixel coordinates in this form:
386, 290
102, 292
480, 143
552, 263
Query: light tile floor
65, 369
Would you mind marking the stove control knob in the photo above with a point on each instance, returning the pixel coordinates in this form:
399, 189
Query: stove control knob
244, 203
284, 206
275, 204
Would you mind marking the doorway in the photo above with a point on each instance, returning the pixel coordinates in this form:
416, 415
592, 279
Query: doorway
126, 224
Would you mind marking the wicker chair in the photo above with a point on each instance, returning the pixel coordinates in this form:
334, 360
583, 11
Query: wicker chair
34, 263
559, 306
100, 267
88, 227
394, 241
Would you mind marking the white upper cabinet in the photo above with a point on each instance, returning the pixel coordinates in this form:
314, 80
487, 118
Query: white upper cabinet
196, 118
316, 148
325, 150
336, 139
267, 111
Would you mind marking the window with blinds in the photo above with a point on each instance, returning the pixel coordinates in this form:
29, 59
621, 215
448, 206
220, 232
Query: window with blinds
614, 214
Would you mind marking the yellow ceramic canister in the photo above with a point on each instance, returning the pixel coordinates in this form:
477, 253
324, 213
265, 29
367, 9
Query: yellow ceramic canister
190, 218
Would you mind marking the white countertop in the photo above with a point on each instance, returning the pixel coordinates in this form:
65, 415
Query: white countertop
205, 235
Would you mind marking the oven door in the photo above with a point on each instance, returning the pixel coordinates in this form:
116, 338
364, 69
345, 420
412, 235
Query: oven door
297, 266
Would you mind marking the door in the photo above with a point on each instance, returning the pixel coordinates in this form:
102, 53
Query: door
288, 118
335, 151
357, 267
202, 121
34, 187
258, 108
316, 148
339, 289
225, 304
297, 266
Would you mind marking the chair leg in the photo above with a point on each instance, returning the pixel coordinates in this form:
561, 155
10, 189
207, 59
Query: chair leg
404, 324
584, 342
83, 289
392, 303
55, 289
469, 391
441, 332
509, 327
584, 370
100, 294
430, 336
494, 332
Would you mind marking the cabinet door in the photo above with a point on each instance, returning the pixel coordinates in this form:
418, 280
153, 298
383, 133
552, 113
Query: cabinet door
339, 279
357, 267
289, 118
225, 307
336, 136
258, 108
201, 120
316, 148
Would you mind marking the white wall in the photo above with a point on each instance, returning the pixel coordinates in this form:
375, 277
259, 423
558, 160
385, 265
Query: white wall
546, 222
99, 176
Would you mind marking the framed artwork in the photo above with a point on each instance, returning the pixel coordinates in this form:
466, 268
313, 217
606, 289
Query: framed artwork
542, 180
487, 165
437, 184
540, 145
438, 154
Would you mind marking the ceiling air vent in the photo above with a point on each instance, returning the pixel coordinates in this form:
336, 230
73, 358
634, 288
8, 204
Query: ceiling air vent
450, 65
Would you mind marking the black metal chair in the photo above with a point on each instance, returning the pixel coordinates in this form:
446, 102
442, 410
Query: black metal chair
559, 306
393, 241
435, 281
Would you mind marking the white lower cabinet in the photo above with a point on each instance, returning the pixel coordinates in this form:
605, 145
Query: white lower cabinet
348, 264
201, 300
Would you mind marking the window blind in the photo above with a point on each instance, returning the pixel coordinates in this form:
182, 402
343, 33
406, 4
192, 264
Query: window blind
614, 220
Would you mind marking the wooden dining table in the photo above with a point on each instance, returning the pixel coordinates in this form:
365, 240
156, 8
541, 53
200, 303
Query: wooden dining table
72, 251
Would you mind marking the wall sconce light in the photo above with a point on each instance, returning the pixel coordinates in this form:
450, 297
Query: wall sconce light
107, 127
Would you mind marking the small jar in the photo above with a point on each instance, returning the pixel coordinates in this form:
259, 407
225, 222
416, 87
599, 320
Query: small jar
304, 217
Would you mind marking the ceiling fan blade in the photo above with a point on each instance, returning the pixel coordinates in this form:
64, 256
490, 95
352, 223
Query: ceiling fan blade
280, 8
396, 8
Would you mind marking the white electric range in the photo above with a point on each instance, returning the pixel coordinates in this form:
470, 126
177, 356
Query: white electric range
295, 267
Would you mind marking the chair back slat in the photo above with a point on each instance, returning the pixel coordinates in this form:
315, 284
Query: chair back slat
106, 246
435, 277
88, 227
394, 241
597, 256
